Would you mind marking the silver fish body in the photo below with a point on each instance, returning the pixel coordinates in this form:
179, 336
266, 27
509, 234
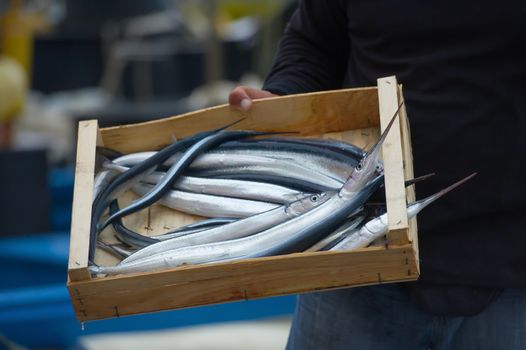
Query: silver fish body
176, 234
378, 227
296, 234
229, 188
292, 235
343, 231
223, 163
194, 227
237, 229
103, 179
207, 205
263, 165
337, 170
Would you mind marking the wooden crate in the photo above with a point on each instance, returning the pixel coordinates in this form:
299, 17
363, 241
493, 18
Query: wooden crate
351, 114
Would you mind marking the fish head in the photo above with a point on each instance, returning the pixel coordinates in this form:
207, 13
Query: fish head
370, 165
307, 202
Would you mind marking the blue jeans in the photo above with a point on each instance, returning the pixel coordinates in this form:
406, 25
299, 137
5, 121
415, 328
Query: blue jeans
383, 318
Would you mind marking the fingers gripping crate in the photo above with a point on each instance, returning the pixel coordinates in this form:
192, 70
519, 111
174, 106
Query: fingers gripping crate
354, 115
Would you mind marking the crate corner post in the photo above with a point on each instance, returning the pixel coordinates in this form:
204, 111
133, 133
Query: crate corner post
88, 138
395, 194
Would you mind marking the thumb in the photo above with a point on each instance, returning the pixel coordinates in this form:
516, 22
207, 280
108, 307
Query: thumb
241, 97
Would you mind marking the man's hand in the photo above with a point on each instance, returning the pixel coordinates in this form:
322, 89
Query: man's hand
242, 96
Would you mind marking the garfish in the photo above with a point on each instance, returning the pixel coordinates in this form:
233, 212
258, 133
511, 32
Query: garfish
124, 234
292, 235
237, 229
194, 227
300, 185
343, 231
207, 205
259, 191
378, 227
125, 180
332, 144
178, 168
356, 219
103, 179
334, 164
220, 164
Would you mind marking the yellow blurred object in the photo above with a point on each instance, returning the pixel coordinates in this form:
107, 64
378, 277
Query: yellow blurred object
16, 39
240, 8
13, 86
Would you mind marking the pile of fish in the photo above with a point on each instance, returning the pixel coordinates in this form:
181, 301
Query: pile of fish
262, 196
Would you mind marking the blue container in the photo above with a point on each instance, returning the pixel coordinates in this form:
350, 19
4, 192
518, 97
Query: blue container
61, 186
35, 307
36, 311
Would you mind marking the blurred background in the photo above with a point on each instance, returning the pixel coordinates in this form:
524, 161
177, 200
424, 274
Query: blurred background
119, 61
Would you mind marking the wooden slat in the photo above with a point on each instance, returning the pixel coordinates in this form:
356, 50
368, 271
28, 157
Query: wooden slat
82, 199
254, 278
409, 174
393, 163
311, 113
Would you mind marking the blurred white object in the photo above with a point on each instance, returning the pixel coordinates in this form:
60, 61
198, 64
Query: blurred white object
49, 121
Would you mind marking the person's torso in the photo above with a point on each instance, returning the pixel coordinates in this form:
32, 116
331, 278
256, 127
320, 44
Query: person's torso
463, 68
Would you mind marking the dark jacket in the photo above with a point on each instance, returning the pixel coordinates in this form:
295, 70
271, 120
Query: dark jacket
463, 67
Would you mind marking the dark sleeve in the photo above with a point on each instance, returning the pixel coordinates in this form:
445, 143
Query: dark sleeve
314, 50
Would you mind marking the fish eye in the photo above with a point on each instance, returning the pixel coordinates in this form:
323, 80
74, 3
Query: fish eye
314, 198
359, 166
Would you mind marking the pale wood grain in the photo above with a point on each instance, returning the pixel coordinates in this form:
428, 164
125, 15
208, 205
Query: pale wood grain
393, 162
248, 279
307, 114
82, 199
409, 174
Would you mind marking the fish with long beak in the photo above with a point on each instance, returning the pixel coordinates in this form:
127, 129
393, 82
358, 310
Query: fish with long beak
370, 163
352, 224
125, 180
293, 235
162, 254
260, 191
176, 170
124, 234
378, 227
